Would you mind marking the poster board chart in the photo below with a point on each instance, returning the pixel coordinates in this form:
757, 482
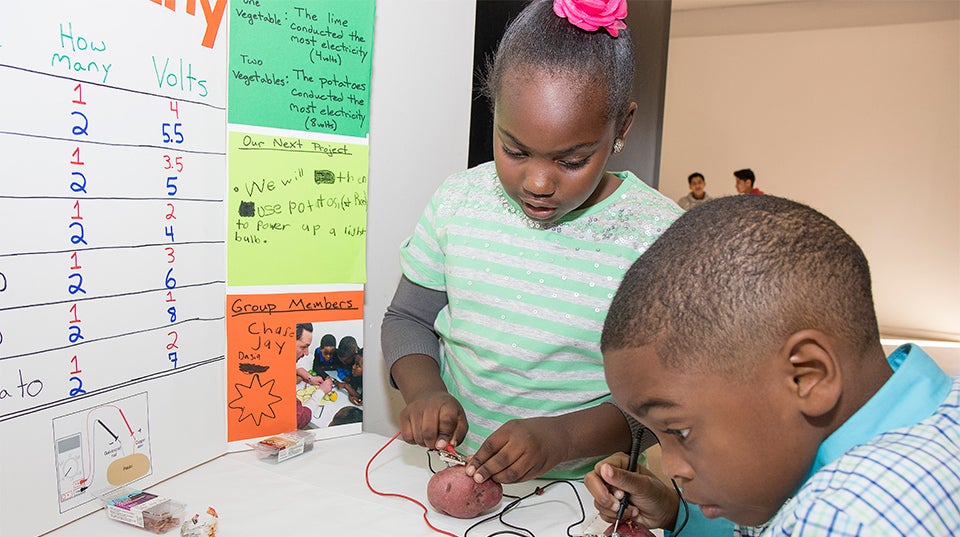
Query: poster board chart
299, 104
298, 154
111, 306
112, 284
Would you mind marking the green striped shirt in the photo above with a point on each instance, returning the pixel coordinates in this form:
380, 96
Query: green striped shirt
526, 302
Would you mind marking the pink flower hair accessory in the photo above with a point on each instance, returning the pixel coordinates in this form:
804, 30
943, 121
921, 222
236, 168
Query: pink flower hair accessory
591, 15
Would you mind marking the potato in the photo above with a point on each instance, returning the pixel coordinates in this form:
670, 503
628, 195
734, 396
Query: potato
628, 528
452, 492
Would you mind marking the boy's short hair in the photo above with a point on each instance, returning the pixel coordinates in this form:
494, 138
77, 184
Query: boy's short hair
328, 340
695, 174
348, 347
745, 174
347, 414
732, 279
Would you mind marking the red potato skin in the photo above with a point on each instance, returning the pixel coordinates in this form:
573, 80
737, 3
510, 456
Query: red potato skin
452, 492
629, 529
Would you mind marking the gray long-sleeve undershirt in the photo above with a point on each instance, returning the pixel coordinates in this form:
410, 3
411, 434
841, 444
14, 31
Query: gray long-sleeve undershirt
407, 326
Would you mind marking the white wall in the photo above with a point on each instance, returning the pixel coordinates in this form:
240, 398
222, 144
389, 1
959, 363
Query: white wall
419, 126
862, 123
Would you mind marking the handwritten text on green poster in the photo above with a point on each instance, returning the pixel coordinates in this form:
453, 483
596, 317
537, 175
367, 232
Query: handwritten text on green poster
301, 65
296, 211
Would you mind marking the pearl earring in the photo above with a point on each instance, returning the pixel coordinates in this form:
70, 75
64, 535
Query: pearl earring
618, 145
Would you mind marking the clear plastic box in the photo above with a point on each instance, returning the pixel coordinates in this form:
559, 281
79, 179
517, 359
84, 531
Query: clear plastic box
284, 445
142, 509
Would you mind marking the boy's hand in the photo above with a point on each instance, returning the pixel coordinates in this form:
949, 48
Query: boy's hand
652, 503
352, 394
433, 419
520, 450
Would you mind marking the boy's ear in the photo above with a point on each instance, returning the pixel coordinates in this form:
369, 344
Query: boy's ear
816, 372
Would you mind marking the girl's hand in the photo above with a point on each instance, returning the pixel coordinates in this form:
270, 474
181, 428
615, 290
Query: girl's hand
520, 450
652, 502
433, 419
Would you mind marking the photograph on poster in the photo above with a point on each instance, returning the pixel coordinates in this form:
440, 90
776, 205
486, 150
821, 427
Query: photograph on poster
272, 340
329, 374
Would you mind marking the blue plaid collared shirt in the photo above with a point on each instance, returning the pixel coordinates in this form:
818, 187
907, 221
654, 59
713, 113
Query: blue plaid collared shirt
879, 476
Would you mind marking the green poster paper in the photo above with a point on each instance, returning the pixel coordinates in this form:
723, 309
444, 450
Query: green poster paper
296, 210
301, 65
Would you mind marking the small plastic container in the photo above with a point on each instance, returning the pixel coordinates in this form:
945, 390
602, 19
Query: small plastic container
142, 509
201, 524
284, 445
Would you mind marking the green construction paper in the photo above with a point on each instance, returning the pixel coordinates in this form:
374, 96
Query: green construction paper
296, 210
301, 65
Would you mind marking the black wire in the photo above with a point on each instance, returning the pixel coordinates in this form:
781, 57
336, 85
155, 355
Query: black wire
509, 525
686, 511
499, 514
536, 492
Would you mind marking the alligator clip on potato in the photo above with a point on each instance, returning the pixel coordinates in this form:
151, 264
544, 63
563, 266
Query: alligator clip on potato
449, 455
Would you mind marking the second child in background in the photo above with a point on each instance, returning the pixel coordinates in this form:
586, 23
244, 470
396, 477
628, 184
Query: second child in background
347, 352
354, 383
698, 193
745, 180
493, 335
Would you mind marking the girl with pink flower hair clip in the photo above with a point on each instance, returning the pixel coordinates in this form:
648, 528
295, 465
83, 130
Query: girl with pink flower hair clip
493, 335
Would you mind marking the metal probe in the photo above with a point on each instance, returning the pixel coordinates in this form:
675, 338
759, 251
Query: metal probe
631, 467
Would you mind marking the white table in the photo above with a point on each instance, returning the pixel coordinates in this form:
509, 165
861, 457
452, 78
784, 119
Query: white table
323, 492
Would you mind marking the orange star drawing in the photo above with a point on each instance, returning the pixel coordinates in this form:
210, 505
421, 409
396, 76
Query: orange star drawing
256, 400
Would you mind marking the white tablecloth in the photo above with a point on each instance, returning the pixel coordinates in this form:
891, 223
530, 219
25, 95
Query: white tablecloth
323, 492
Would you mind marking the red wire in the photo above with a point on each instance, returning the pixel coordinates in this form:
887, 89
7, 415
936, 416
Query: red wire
366, 474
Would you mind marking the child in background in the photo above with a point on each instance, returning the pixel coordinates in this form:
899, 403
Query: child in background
347, 414
698, 193
324, 356
493, 334
347, 353
744, 180
769, 389
354, 383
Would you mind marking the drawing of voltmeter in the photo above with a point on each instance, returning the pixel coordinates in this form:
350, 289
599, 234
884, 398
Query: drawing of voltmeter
70, 476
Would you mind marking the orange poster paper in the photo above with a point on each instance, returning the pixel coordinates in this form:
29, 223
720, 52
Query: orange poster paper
261, 355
